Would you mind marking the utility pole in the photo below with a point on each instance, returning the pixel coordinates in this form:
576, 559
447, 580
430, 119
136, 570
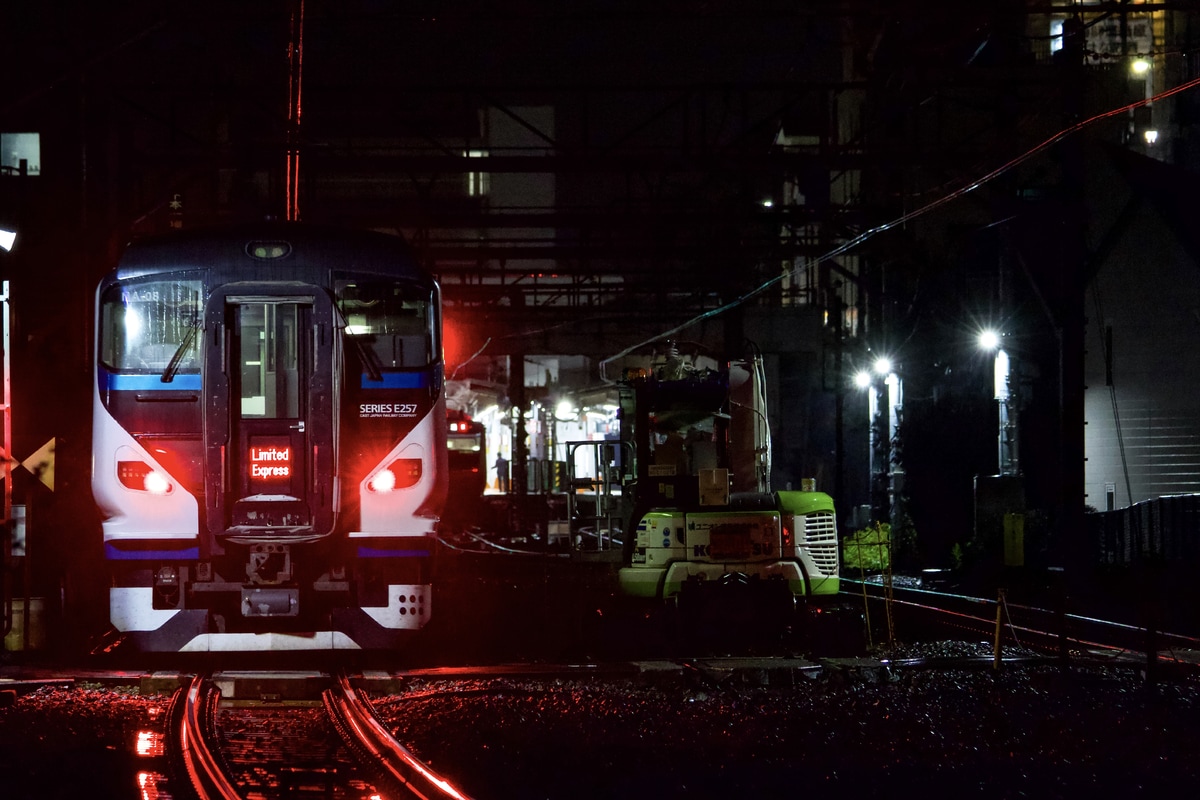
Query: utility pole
1070, 293
6, 525
295, 73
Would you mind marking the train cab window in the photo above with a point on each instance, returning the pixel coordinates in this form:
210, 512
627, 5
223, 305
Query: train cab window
268, 344
395, 323
150, 326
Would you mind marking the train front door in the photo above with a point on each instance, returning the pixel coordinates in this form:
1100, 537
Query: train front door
270, 461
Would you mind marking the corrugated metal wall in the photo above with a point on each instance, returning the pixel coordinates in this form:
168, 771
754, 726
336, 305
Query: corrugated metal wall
1142, 406
1166, 529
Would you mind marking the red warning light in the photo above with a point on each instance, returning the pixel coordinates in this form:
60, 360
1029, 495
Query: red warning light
459, 342
451, 344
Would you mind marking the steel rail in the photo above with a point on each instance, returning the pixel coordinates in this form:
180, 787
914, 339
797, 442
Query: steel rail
364, 733
191, 715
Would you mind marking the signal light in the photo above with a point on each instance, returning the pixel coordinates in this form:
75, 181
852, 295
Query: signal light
141, 477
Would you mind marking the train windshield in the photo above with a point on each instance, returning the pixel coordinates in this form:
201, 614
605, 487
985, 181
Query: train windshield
464, 443
394, 323
149, 325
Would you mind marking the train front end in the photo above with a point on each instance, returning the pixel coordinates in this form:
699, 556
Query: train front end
268, 441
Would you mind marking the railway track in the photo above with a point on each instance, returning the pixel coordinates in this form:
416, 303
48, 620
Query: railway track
251, 760
686, 728
189, 737
486, 721
365, 734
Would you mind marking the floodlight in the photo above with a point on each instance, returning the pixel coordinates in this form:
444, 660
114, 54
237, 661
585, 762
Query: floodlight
7, 238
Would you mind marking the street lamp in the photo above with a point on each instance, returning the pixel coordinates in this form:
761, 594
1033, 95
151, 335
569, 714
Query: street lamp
882, 381
863, 379
7, 239
1004, 391
895, 475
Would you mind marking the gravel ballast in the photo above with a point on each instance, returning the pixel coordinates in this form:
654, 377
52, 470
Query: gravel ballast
1029, 729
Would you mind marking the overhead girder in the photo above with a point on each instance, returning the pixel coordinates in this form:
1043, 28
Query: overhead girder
619, 258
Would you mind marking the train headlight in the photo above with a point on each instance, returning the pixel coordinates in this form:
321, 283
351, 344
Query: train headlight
400, 474
141, 477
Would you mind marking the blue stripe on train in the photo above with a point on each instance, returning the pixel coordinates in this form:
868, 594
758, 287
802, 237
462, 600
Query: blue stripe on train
376, 552
398, 380
114, 553
144, 383
191, 382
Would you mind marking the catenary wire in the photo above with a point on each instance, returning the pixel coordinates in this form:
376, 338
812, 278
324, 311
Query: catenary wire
907, 216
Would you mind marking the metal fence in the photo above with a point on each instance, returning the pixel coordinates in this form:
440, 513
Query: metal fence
1163, 530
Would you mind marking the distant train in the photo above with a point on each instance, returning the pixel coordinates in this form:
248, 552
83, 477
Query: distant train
269, 439
467, 465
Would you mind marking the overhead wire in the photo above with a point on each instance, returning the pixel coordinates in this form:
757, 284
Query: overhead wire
474, 356
905, 217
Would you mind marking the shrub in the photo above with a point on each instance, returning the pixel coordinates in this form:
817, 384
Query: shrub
868, 550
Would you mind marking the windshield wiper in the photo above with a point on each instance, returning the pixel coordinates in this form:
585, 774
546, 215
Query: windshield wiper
368, 358
168, 374
366, 355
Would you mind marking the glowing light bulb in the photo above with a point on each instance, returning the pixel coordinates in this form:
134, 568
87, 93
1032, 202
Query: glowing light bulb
157, 483
383, 481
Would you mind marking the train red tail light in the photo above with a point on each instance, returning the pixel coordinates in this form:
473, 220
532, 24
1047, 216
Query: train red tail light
141, 477
382, 482
400, 474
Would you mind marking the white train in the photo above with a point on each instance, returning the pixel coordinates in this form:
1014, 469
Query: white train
269, 439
